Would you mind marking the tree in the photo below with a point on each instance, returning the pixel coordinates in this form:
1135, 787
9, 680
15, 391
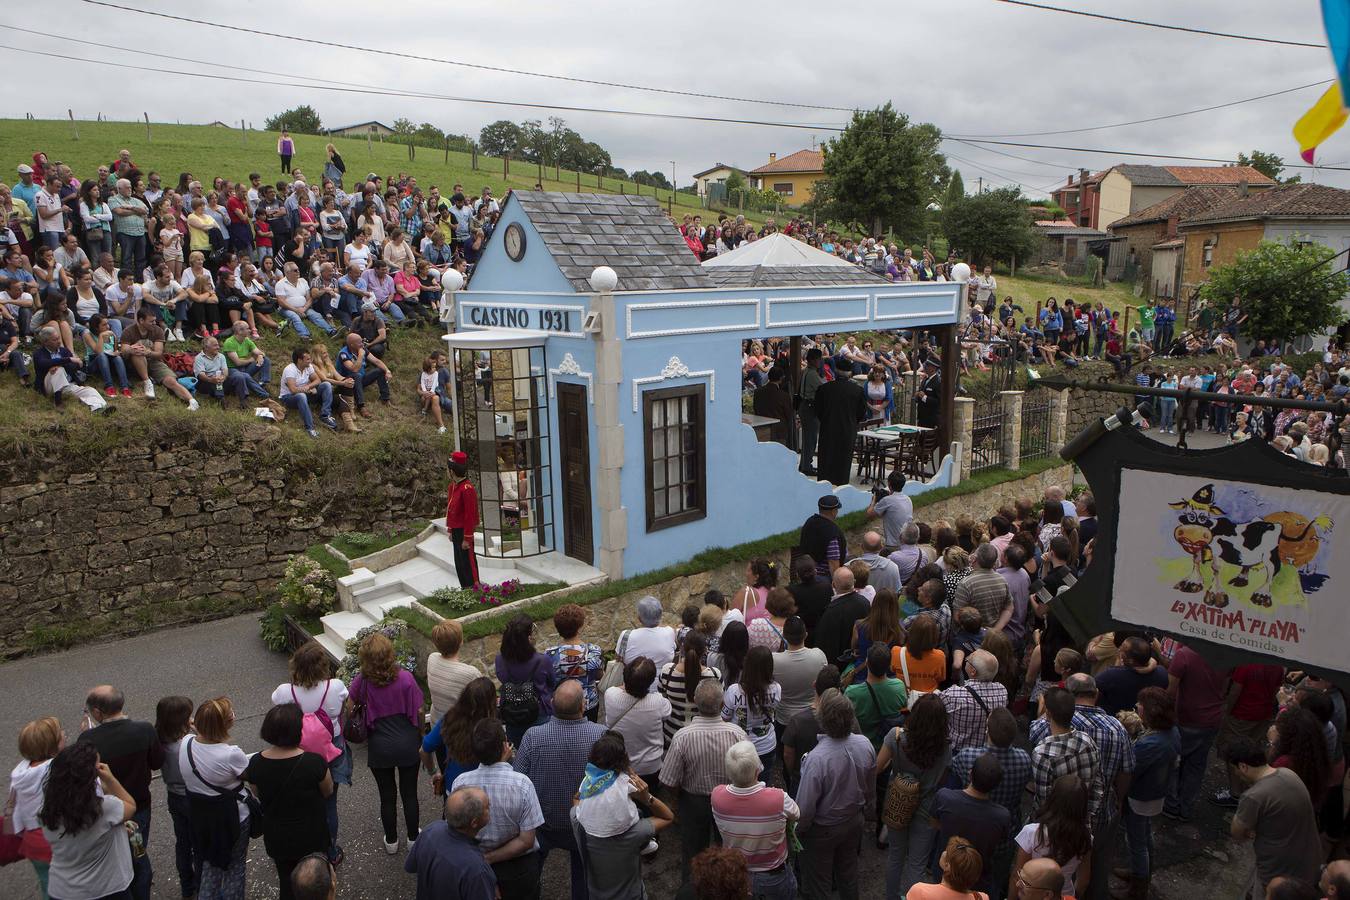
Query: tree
500, 138
301, 120
652, 179
1267, 164
1287, 290
404, 129
956, 189
882, 170
989, 226
429, 135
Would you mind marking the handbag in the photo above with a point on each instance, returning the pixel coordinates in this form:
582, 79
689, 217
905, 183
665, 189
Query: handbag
902, 799
356, 729
613, 676
11, 842
256, 820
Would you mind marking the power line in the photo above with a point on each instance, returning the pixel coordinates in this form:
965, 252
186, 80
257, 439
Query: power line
381, 92
1165, 27
1214, 159
1177, 115
1038, 162
468, 65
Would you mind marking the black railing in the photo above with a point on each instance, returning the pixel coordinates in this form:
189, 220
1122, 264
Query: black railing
1035, 426
986, 439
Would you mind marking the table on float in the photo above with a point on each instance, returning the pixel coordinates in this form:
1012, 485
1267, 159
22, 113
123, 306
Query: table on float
874, 444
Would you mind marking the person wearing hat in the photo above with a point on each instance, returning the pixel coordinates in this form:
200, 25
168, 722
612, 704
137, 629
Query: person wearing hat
812, 379
822, 539
929, 397
26, 190
461, 518
841, 406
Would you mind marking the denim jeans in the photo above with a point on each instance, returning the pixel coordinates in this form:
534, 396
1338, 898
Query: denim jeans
16, 362
1139, 837
1169, 413
312, 315
1184, 786
132, 247
189, 867
780, 884
141, 872
1103, 851
250, 385
560, 837
302, 402
372, 375
810, 434
109, 364
393, 312
907, 856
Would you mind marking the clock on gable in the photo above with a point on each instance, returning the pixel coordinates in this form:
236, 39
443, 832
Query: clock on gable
514, 239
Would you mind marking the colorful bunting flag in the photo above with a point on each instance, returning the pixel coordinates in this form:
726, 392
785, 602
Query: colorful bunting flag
1325, 118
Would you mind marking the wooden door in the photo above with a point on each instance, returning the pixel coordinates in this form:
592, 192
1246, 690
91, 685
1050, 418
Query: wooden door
574, 432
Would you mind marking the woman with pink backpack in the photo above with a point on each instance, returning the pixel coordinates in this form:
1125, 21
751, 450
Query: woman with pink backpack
321, 697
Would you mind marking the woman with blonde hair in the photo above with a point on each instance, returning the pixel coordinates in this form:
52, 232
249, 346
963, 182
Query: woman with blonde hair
213, 774
39, 741
335, 168
344, 388
392, 704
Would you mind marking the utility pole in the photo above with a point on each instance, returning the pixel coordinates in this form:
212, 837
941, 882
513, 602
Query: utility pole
979, 185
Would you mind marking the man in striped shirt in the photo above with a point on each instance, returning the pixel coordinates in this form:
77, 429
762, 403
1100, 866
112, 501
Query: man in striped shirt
753, 818
695, 764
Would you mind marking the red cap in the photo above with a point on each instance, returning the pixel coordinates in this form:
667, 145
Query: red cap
459, 456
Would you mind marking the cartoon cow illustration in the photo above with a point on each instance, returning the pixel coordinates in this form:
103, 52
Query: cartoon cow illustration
1207, 534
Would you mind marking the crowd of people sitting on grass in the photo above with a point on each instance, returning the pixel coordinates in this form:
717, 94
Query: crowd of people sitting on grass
111, 277
915, 697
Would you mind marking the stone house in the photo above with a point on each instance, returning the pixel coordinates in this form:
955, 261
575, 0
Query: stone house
1155, 229
1127, 189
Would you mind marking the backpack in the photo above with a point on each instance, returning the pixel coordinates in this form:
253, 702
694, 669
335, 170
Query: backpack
902, 799
885, 723
519, 703
316, 729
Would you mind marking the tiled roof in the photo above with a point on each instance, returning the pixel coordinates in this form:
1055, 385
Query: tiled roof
801, 161
1288, 201
1148, 176
712, 169
1184, 205
791, 276
1218, 175
1053, 223
631, 235
1071, 231
1173, 244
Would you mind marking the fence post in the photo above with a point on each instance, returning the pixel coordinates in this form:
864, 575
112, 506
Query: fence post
147, 127
473, 148
963, 429
243, 133
1059, 419
578, 181
1012, 428
447, 153
599, 181
74, 129
370, 146
540, 164
506, 166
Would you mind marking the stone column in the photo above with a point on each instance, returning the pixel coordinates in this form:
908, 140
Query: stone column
1012, 428
905, 389
963, 431
1059, 418
609, 437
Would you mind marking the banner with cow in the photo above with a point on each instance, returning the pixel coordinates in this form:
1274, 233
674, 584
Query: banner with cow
1239, 563
1242, 553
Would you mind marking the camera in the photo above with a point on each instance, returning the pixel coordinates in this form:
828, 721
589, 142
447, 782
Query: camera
878, 492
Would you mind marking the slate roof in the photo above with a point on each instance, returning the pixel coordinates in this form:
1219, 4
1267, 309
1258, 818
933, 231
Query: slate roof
1284, 201
631, 235
1148, 176
791, 276
1189, 203
801, 161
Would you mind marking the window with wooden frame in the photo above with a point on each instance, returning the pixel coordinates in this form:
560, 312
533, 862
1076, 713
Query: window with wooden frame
785, 188
675, 454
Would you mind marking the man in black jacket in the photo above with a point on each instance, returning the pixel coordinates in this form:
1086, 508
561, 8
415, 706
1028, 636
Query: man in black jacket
834, 631
811, 594
132, 751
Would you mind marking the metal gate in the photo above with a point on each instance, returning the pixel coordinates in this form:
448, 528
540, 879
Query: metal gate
1035, 425
986, 439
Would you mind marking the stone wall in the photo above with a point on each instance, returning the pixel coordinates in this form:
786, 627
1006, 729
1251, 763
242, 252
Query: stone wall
188, 528
607, 618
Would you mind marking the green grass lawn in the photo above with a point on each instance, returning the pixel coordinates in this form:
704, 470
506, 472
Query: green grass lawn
1027, 292
207, 151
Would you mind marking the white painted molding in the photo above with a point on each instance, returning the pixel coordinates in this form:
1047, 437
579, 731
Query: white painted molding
708, 329
674, 369
569, 367
770, 303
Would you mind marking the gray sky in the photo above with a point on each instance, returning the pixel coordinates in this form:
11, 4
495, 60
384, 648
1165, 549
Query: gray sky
973, 67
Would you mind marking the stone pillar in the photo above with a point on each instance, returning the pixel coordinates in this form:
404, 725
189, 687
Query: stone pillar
905, 389
1012, 428
609, 438
1059, 418
963, 432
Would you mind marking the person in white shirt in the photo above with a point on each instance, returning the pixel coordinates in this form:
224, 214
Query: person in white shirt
985, 287
637, 711
210, 765
427, 383
296, 306
1190, 381
301, 386
652, 640
50, 213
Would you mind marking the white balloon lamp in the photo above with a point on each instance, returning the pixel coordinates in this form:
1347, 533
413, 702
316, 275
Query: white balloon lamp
604, 279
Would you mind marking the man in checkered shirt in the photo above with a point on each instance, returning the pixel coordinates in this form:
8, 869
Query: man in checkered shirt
1064, 751
1116, 755
968, 704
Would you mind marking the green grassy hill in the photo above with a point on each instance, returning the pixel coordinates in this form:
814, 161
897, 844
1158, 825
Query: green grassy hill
207, 151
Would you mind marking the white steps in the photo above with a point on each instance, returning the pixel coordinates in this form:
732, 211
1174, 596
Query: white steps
374, 594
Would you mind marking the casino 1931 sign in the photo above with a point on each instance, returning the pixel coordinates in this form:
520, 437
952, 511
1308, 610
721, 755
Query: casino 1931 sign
525, 317
1239, 553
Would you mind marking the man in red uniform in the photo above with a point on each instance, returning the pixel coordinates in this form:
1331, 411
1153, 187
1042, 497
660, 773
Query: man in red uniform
461, 518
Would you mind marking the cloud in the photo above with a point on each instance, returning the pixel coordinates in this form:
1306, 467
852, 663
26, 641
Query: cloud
969, 66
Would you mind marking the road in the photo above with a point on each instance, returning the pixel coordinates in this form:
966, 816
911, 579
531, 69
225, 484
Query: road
227, 658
